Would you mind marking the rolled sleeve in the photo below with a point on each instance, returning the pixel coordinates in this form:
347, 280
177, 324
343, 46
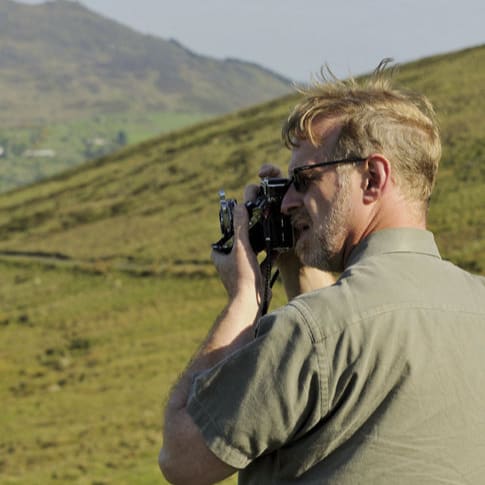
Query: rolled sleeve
262, 396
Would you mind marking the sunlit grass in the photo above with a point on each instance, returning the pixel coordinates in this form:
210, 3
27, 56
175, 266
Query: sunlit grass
86, 362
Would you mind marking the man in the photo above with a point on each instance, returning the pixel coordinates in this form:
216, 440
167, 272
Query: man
376, 378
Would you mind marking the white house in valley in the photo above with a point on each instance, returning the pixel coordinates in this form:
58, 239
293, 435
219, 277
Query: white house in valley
41, 153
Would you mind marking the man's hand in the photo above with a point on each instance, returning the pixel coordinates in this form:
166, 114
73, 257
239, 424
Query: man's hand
239, 270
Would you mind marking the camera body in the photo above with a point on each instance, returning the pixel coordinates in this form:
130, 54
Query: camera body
269, 229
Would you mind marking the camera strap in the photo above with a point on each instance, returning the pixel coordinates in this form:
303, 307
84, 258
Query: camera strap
269, 281
224, 245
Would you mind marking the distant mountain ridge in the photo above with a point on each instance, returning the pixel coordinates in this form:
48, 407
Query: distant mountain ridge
60, 60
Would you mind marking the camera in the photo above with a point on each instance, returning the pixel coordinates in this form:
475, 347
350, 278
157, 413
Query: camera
269, 229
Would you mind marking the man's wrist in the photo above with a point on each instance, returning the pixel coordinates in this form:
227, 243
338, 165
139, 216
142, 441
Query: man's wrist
244, 306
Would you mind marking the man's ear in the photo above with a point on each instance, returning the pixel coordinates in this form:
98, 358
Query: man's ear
377, 177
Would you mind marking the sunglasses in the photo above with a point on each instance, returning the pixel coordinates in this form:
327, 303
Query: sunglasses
302, 182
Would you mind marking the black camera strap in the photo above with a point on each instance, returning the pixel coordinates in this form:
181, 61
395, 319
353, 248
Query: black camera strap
222, 245
269, 281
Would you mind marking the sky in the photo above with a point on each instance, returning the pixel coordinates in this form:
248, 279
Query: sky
295, 38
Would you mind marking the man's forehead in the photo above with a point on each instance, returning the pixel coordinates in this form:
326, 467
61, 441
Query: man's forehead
326, 132
306, 153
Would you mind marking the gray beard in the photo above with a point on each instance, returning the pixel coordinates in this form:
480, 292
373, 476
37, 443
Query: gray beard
324, 248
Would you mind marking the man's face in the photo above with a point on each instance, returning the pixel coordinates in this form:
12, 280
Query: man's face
321, 213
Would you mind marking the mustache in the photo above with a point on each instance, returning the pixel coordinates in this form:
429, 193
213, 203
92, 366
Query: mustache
300, 218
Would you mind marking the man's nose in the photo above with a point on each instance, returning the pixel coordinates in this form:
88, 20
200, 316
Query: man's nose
291, 200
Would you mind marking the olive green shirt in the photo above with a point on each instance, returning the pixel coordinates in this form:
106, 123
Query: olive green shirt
378, 379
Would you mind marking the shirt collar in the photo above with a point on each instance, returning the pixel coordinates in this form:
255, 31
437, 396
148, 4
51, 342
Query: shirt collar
396, 240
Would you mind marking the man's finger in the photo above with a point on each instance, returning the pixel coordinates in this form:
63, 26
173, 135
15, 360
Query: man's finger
241, 223
251, 192
269, 170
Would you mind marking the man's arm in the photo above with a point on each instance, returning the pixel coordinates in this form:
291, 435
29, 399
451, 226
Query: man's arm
185, 458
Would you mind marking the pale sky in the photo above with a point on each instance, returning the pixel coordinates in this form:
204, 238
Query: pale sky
296, 37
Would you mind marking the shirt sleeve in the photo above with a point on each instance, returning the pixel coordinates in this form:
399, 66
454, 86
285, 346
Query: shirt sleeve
264, 395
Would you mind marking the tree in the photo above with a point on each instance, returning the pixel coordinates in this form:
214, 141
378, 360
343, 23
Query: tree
122, 138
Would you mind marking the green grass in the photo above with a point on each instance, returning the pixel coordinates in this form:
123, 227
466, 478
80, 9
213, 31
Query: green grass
86, 361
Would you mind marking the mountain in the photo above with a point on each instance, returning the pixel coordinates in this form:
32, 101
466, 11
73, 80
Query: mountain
64, 59
154, 205
59, 60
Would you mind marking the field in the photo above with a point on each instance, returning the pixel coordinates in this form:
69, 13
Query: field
86, 362
75, 142
106, 285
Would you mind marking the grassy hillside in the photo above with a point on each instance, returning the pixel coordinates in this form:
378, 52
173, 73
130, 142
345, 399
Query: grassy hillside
150, 205
155, 204
106, 286
85, 364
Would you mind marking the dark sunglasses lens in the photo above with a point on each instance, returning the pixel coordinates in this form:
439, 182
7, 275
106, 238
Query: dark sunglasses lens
299, 182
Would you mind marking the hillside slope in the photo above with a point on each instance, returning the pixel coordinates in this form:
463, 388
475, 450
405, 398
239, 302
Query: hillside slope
154, 206
59, 60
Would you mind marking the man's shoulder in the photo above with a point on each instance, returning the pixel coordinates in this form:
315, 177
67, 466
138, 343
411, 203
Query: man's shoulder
385, 284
